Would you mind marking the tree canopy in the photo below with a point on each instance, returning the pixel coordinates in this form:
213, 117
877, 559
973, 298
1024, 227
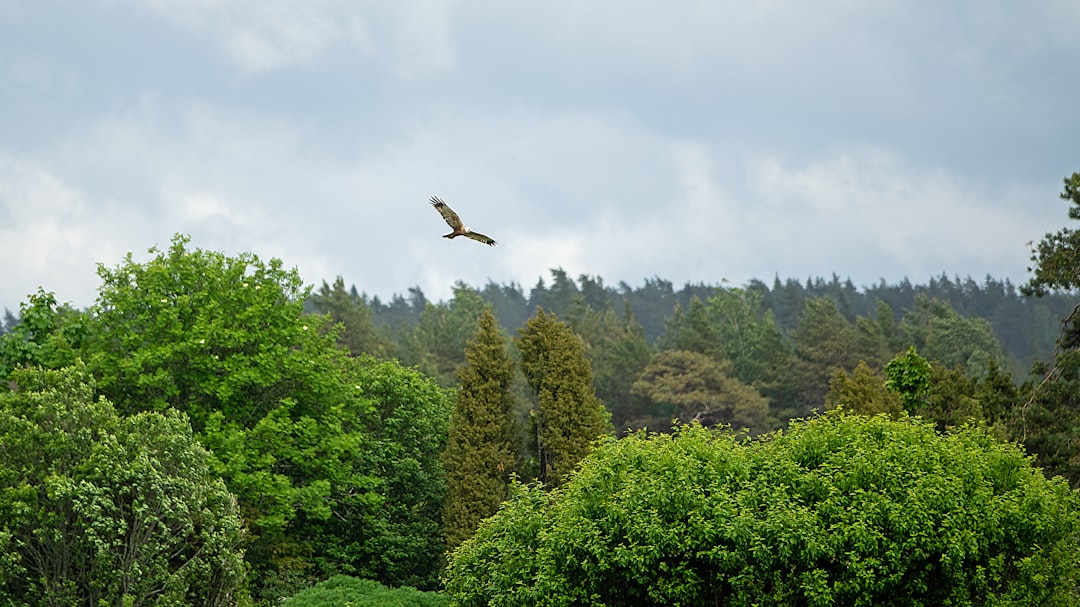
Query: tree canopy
99, 508
840, 509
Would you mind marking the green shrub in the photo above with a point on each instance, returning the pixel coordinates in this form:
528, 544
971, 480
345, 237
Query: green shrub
342, 590
840, 510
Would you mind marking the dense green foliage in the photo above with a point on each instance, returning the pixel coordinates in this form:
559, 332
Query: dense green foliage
481, 449
335, 460
95, 506
839, 510
355, 592
570, 417
909, 376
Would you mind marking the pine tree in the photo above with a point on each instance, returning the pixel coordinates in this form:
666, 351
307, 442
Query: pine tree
479, 455
570, 416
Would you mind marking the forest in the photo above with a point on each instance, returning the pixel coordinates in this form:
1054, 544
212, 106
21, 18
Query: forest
212, 431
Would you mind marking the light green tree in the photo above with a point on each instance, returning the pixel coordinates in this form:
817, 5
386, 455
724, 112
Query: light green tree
98, 508
908, 375
838, 510
334, 459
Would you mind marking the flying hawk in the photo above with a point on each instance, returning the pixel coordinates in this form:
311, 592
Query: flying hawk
460, 229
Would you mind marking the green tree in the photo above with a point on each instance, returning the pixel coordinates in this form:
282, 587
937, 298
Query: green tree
96, 508
839, 510
569, 418
703, 390
617, 351
824, 341
908, 375
357, 332
862, 392
481, 449
334, 460
1056, 258
945, 336
437, 344
203, 332
1047, 421
48, 334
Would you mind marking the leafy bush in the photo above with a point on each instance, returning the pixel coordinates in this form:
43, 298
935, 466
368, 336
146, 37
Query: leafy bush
344, 590
840, 510
97, 508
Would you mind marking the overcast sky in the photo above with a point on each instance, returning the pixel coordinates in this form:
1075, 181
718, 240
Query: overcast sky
690, 140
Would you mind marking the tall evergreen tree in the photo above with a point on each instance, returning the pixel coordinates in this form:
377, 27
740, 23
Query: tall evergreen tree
570, 416
479, 454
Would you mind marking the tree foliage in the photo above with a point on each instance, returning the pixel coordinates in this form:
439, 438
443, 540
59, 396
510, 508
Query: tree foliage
481, 448
97, 508
48, 334
862, 391
334, 459
908, 375
569, 418
703, 390
1047, 421
839, 510
358, 332
1056, 258
356, 592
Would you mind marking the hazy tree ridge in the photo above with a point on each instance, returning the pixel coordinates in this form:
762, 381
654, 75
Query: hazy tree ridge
1026, 326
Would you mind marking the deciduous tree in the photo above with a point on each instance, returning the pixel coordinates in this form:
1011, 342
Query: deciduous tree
838, 510
98, 508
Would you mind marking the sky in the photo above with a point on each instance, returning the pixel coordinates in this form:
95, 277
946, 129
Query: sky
695, 141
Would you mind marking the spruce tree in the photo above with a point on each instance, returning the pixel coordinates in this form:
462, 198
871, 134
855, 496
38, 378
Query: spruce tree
479, 455
570, 416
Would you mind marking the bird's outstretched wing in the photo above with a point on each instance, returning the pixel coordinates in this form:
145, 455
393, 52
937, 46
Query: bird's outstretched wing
480, 237
447, 213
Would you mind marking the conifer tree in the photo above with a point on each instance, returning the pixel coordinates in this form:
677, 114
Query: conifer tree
479, 455
570, 416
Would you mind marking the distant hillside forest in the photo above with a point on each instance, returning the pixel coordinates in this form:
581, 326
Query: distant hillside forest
658, 353
1025, 327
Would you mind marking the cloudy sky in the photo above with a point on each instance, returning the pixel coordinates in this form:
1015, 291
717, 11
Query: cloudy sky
691, 140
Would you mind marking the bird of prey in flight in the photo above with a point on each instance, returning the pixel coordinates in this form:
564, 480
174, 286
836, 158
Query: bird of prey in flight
460, 229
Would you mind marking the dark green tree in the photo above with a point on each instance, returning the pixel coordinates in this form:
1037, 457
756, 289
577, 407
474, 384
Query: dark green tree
862, 392
481, 449
1056, 258
617, 352
839, 510
1047, 421
358, 331
570, 418
437, 344
824, 341
703, 390
97, 508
